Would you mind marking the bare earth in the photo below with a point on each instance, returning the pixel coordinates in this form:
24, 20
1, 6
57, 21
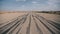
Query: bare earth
29, 23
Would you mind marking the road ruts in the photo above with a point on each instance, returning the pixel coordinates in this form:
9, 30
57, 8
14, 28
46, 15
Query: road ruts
28, 28
30, 23
20, 23
38, 28
54, 29
42, 28
6, 28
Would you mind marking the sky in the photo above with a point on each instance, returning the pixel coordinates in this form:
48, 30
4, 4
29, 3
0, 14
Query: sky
27, 5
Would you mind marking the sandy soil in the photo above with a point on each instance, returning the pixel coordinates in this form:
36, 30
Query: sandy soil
32, 24
9, 16
53, 17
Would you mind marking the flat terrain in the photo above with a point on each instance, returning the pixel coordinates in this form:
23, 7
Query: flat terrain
29, 23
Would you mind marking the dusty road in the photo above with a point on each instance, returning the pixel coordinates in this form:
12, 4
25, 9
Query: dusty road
31, 23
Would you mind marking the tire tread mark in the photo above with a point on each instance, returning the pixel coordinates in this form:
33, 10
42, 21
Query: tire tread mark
28, 28
11, 27
45, 26
51, 23
40, 31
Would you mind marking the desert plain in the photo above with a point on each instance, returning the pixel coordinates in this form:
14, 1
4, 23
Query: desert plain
29, 23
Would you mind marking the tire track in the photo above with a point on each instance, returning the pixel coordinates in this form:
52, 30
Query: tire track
18, 25
10, 28
14, 20
18, 30
45, 25
48, 26
40, 31
5, 31
29, 25
55, 25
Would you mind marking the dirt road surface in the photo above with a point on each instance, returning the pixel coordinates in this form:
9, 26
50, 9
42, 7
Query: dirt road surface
29, 23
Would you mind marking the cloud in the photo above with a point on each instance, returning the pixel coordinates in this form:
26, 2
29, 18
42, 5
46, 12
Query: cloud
52, 5
53, 1
23, 6
20, 0
34, 2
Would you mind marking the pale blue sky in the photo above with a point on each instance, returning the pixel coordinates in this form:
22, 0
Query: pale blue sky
30, 5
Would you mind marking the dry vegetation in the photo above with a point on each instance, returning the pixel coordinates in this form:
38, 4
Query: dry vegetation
50, 12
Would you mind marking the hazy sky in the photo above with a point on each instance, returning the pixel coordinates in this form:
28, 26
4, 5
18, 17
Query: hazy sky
29, 4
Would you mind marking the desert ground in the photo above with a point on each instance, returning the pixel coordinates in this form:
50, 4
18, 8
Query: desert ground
29, 23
